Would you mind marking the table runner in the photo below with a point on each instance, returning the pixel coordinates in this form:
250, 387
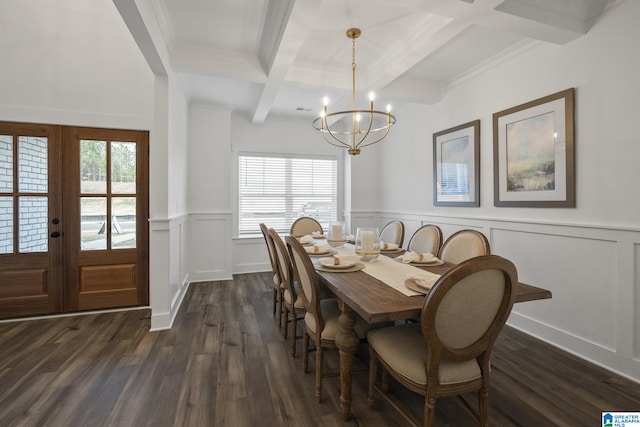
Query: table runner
390, 271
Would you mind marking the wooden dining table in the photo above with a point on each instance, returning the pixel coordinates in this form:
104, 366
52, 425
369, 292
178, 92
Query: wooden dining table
376, 302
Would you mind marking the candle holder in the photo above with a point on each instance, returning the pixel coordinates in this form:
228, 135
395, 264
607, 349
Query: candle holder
336, 234
368, 243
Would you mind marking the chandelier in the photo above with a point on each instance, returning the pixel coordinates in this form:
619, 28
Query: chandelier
354, 128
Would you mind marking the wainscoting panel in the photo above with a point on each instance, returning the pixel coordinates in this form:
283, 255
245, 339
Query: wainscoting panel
210, 246
580, 272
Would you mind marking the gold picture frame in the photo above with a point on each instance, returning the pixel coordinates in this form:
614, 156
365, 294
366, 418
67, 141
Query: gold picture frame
533, 153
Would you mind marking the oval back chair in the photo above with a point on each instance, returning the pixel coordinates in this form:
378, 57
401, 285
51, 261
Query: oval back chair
449, 352
426, 239
462, 245
278, 287
305, 225
393, 232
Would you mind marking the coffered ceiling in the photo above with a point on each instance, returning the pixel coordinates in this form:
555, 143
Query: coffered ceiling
282, 56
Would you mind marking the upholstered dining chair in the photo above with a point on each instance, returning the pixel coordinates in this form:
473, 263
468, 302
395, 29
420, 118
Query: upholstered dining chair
462, 245
448, 353
393, 232
321, 318
305, 225
292, 304
278, 286
427, 240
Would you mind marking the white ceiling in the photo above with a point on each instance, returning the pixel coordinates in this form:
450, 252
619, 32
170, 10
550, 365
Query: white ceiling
283, 56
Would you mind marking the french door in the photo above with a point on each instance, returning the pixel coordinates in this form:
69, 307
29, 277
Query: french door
73, 219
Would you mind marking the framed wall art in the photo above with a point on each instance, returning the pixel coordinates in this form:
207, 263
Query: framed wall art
533, 153
456, 166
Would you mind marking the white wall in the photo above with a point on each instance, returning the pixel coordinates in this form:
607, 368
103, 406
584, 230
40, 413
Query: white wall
587, 256
76, 64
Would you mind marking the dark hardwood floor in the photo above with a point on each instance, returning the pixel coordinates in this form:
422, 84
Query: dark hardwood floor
224, 363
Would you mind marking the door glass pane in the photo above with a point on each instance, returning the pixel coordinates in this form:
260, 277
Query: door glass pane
93, 223
123, 222
6, 163
32, 224
93, 167
123, 167
33, 169
6, 225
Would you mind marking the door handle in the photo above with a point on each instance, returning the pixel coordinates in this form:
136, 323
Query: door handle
55, 234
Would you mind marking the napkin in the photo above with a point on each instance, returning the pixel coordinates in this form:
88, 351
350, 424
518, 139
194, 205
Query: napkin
316, 234
351, 238
423, 282
388, 246
410, 256
317, 249
306, 239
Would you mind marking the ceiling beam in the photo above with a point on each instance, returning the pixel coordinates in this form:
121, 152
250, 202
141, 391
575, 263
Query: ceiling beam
279, 50
139, 22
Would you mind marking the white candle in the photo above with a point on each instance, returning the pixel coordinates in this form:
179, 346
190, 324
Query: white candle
336, 231
367, 241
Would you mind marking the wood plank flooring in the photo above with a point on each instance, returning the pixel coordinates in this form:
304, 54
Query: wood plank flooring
225, 363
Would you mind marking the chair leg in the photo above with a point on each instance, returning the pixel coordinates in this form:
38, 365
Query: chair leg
275, 301
280, 299
319, 358
429, 411
483, 407
305, 352
385, 381
294, 321
285, 326
373, 368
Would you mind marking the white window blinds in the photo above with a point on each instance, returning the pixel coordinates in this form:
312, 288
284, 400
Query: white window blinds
277, 190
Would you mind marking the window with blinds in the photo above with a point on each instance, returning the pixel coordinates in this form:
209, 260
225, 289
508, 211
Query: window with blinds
277, 189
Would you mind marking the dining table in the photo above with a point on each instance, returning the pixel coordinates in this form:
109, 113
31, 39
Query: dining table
360, 293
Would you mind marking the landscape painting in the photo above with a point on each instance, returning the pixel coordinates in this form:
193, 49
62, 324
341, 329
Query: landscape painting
531, 154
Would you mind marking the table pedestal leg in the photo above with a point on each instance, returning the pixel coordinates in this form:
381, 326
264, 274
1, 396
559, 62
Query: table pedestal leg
347, 342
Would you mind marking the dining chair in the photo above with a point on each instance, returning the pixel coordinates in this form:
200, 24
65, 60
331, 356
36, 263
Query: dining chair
278, 286
393, 232
462, 245
426, 240
321, 317
305, 225
292, 304
449, 352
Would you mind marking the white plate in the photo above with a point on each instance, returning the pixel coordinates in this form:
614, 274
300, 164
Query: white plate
344, 263
320, 252
391, 251
432, 262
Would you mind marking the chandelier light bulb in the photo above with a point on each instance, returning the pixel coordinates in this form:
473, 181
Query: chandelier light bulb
372, 96
388, 108
325, 101
358, 118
